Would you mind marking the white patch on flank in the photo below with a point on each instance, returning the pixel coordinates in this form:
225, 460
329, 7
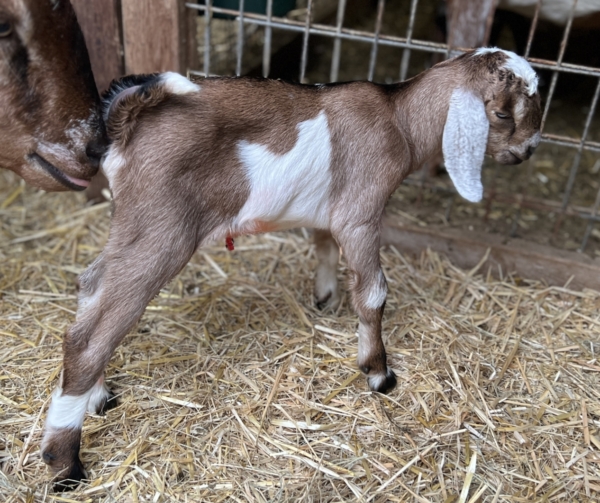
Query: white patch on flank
464, 142
518, 65
112, 163
178, 84
378, 293
98, 395
290, 190
67, 411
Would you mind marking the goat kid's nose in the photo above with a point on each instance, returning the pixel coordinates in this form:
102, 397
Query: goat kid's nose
95, 149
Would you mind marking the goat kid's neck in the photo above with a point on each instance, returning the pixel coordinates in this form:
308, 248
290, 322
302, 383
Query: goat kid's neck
422, 107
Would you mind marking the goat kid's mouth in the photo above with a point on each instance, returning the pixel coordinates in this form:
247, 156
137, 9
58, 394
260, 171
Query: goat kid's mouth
508, 158
66, 180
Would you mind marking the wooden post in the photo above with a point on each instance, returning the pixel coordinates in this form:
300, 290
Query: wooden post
159, 35
99, 21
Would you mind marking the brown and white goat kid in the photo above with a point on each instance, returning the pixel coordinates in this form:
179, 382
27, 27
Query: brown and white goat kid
192, 163
51, 127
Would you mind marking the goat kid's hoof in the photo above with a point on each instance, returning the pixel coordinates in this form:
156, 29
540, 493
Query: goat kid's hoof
330, 300
110, 402
382, 383
69, 481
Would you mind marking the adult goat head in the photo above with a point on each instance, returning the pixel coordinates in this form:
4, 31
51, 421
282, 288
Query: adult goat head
50, 122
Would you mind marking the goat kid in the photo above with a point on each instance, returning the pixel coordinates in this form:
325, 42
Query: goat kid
194, 162
51, 123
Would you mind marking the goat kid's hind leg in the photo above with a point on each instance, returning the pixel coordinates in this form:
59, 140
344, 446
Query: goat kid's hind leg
131, 275
101, 398
369, 290
327, 295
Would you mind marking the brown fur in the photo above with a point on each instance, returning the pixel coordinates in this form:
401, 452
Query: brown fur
47, 95
59, 453
181, 182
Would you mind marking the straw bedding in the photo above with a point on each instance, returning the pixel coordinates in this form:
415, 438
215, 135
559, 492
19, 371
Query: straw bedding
234, 387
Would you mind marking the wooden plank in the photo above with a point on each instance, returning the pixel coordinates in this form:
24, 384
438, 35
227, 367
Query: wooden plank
466, 249
159, 35
99, 20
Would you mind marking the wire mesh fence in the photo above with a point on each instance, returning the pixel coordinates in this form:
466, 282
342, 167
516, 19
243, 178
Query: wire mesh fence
553, 199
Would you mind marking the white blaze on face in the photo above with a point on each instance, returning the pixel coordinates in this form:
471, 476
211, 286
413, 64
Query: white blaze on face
291, 190
519, 110
518, 65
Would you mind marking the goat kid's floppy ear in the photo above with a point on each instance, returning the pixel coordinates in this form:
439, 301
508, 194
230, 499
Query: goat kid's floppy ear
464, 142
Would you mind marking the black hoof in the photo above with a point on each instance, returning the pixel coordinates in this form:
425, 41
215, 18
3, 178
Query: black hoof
109, 403
382, 383
72, 480
322, 303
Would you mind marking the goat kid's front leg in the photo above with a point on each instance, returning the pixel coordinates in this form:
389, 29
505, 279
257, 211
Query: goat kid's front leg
369, 290
114, 293
327, 295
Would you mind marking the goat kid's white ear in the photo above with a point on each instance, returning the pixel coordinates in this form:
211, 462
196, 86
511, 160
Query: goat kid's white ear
464, 142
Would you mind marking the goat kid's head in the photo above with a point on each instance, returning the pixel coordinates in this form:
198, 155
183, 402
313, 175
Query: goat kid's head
50, 120
495, 111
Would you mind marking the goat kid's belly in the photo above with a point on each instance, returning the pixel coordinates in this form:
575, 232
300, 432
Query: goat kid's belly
286, 191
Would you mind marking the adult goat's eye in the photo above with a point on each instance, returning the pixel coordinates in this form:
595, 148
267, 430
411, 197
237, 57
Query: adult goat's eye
500, 115
6, 28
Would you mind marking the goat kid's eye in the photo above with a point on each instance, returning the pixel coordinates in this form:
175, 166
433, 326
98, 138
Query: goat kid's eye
500, 115
6, 28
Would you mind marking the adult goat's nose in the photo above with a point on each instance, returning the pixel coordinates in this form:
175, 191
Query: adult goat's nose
95, 149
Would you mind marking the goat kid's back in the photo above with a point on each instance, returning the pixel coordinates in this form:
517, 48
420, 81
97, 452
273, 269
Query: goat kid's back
246, 152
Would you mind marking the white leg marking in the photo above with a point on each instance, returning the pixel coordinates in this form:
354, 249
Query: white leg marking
98, 396
364, 348
376, 381
67, 411
326, 282
178, 84
378, 293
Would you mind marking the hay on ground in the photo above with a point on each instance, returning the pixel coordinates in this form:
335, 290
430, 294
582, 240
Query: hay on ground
235, 387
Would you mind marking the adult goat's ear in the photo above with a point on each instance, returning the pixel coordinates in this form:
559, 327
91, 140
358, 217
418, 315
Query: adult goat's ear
464, 142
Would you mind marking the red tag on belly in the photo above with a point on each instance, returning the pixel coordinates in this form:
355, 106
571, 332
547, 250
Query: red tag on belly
229, 243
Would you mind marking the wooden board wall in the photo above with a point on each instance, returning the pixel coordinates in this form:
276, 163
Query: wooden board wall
99, 20
158, 36
500, 254
137, 36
